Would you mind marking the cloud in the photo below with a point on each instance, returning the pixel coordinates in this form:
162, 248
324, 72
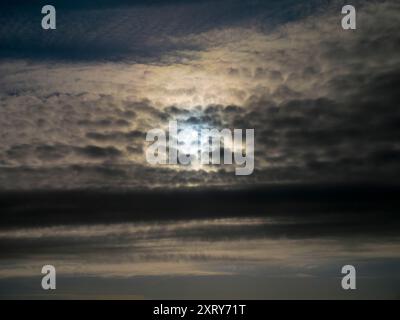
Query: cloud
116, 136
75, 105
323, 107
98, 152
129, 30
190, 247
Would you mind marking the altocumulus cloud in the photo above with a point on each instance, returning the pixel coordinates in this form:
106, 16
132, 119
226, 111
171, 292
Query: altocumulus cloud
322, 101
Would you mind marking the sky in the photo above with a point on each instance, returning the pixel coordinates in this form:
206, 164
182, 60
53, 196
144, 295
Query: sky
76, 190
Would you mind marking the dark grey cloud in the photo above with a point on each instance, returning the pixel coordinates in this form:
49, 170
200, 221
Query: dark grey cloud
98, 152
104, 123
137, 234
115, 30
60, 151
315, 205
117, 136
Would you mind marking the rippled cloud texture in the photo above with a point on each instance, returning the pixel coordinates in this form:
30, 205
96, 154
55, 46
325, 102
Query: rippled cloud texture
76, 190
78, 101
